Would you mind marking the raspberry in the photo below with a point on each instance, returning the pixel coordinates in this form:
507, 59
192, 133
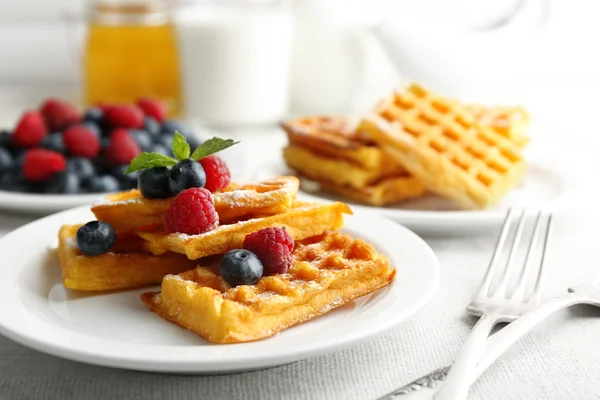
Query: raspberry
30, 130
59, 114
153, 108
40, 164
81, 141
124, 117
274, 247
217, 174
192, 212
122, 147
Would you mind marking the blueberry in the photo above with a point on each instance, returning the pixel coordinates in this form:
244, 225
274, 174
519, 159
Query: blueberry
160, 149
63, 183
118, 171
104, 142
12, 182
36, 187
186, 174
193, 140
143, 138
151, 126
6, 160
101, 165
163, 139
95, 238
169, 127
93, 127
16, 151
19, 157
5, 139
104, 183
154, 183
126, 181
81, 167
94, 114
241, 267
54, 141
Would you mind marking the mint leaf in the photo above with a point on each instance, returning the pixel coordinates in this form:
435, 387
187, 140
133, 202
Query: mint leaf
149, 160
180, 146
211, 146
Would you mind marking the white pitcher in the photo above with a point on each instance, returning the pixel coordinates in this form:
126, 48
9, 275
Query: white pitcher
337, 64
346, 54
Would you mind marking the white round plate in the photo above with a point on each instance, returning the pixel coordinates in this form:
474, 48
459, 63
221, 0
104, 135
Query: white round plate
540, 187
44, 204
116, 329
544, 185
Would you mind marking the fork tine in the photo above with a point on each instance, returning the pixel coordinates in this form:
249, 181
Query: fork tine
537, 291
487, 280
520, 289
503, 286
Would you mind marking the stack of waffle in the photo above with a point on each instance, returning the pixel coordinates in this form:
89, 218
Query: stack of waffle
328, 150
413, 142
328, 268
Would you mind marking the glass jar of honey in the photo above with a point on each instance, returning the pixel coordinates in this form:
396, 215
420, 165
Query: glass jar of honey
131, 52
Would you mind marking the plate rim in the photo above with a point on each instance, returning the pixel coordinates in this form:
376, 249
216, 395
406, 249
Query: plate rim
37, 342
452, 218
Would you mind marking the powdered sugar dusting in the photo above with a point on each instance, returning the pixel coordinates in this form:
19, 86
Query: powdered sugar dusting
108, 202
239, 198
236, 226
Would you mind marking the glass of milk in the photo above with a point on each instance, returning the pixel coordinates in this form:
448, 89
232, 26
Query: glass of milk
235, 61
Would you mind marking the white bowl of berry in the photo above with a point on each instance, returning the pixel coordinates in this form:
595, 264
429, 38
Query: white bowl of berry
58, 157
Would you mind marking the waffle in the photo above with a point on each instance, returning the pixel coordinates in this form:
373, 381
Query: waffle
128, 211
388, 191
336, 138
510, 122
127, 266
337, 170
304, 220
327, 272
441, 144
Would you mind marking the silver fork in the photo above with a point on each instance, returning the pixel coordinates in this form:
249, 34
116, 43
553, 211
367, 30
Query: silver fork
493, 308
496, 306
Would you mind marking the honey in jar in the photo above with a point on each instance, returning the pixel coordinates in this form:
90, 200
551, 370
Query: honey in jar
131, 52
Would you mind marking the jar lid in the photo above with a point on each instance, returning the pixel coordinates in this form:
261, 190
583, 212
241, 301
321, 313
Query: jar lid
130, 12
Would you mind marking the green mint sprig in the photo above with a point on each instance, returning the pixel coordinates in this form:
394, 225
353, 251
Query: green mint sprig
181, 151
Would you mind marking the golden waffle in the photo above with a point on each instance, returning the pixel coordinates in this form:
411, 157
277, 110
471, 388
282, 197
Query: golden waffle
127, 266
327, 272
304, 220
335, 137
388, 191
510, 122
348, 180
339, 171
129, 211
440, 143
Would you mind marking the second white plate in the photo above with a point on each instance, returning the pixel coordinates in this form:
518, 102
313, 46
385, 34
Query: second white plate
548, 183
541, 186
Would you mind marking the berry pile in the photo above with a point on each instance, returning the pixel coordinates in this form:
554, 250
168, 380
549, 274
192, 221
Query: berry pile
57, 149
161, 176
190, 176
266, 252
192, 210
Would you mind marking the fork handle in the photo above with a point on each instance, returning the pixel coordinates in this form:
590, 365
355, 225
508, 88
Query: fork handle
499, 342
458, 381
426, 386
